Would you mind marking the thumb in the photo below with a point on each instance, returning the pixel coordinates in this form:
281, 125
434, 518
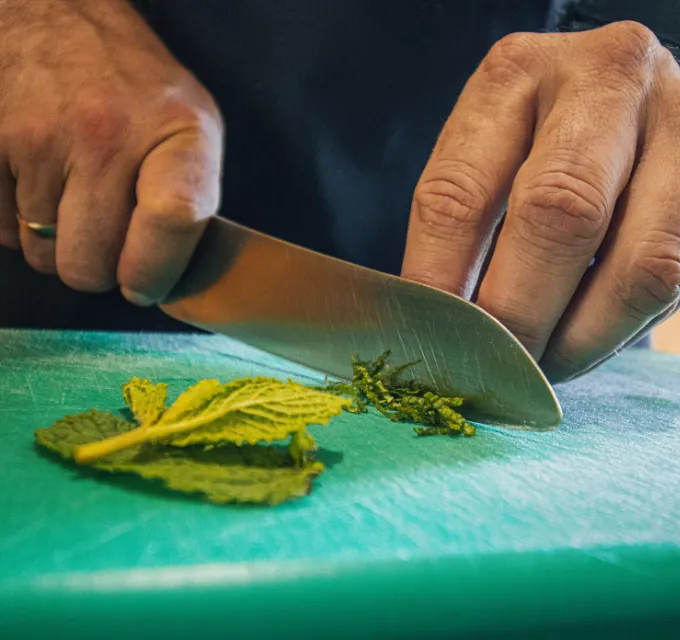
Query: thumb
178, 190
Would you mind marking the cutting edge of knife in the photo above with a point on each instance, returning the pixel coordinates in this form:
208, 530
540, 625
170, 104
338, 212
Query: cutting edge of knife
559, 415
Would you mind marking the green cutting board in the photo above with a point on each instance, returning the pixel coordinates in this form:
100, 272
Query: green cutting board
575, 532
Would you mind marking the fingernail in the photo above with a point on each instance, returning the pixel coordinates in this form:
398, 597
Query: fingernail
137, 298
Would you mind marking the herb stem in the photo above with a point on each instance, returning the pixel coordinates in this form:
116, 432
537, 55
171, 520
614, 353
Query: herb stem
93, 451
156, 432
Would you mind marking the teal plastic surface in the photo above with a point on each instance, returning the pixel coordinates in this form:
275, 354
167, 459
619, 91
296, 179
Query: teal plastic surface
544, 535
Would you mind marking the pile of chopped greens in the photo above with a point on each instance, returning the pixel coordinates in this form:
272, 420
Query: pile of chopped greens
379, 385
246, 440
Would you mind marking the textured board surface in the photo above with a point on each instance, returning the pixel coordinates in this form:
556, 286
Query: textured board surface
576, 530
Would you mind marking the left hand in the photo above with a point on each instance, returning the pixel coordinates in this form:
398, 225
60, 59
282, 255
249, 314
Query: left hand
580, 133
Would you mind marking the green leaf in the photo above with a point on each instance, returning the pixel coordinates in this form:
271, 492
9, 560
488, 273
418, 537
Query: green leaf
145, 399
194, 400
301, 445
252, 411
248, 474
71, 431
246, 411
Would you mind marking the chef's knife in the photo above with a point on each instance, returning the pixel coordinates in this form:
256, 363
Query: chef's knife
319, 311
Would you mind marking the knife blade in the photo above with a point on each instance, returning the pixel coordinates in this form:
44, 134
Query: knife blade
319, 311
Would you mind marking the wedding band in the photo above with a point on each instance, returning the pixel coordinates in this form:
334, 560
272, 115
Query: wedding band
48, 231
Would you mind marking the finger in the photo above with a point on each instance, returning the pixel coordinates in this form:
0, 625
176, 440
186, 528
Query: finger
559, 209
177, 192
9, 227
459, 197
38, 190
94, 213
637, 281
641, 333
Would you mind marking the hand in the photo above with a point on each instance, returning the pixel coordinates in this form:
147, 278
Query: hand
104, 132
580, 134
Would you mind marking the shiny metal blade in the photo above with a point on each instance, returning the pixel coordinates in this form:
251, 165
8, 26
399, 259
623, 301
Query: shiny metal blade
319, 311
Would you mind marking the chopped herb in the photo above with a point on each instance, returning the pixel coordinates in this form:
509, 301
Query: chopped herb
379, 385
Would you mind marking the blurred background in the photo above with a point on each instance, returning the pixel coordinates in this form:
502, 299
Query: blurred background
666, 337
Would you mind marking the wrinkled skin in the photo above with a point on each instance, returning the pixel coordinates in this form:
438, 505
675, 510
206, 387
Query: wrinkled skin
106, 131
578, 133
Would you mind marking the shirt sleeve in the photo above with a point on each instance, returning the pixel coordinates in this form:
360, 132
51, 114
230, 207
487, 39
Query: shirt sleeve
661, 16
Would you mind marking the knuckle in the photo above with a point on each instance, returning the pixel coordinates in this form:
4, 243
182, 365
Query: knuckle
666, 89
101, 124
631, 46
563, 210
34, 135
99, 115
208, 116
199, 114
651, 282
667, 61
668, 64
512, 54
454, 204
175, 212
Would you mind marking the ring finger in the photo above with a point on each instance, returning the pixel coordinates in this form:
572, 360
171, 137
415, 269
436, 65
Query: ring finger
9, 232
38, 191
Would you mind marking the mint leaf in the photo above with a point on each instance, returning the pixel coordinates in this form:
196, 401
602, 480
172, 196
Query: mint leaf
245, 411
145, 399
230, 473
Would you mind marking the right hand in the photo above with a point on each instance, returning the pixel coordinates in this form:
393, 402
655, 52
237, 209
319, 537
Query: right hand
102, 130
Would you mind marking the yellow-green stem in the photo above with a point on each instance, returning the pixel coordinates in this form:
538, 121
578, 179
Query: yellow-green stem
87, 453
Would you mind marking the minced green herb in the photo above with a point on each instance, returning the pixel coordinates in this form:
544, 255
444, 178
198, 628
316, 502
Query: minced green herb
380, 385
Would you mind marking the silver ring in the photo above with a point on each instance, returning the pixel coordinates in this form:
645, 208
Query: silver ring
47, 231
